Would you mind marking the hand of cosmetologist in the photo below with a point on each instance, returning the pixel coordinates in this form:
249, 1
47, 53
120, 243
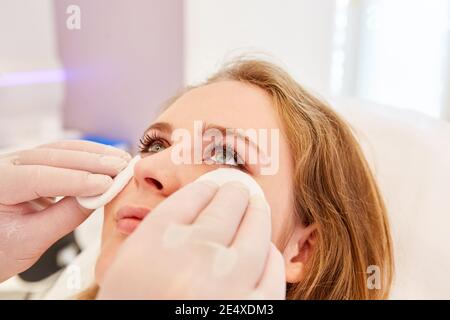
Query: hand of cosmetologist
30, 218
203, 242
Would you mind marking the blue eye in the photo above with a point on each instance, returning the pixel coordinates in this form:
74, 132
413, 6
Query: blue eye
152, 144
156, 147
225, 155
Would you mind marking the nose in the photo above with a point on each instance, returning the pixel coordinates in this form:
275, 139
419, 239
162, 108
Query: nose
156, 173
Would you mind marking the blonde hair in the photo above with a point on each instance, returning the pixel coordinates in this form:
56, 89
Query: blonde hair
333, 188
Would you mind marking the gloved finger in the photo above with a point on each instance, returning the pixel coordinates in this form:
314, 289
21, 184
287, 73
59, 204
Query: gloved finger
272, 285
183, 206
42, 203
219, 221
70, 159
20, 208
25, 183
252, 240
6, 156
51, 224
87, 146
28, 206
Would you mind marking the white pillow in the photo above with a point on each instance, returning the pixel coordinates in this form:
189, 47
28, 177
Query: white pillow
410, 156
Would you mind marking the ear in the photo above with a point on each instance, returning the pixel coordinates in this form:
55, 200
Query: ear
298, 251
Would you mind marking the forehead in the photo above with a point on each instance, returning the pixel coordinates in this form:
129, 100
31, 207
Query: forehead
230, 104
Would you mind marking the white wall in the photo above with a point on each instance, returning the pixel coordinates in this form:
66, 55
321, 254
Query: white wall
298, 33
29, 102
27, 33
402, 62
125, 60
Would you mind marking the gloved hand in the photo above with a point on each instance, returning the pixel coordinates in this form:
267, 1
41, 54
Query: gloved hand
203, 242
30, 219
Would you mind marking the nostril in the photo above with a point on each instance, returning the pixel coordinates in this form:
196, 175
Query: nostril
157, 184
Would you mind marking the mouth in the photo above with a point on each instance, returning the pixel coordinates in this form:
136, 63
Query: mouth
128, 218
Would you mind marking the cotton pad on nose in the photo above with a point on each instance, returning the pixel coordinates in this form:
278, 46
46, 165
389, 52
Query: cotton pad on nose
119, 182
221, 176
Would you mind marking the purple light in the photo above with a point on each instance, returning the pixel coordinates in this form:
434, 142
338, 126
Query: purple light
31, 77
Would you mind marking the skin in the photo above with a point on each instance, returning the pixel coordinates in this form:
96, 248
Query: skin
230, 104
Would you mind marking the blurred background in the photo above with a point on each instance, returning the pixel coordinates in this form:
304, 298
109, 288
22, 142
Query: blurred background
100, 69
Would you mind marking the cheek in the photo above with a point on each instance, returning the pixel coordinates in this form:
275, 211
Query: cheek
281, 208
110, 243
111, 240
108, 219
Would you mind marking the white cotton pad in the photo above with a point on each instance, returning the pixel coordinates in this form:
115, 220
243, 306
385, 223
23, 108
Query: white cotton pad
221, 176
119, 182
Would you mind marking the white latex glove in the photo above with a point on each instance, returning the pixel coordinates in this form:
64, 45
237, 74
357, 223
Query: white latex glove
203, 242
30, 220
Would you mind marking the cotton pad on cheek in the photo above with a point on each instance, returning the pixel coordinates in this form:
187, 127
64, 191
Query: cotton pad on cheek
221, 176
119, 182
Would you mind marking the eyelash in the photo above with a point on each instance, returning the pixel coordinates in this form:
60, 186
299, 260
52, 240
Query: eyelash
150, 138
236, 157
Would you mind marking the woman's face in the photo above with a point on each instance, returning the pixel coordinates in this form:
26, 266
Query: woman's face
228, 104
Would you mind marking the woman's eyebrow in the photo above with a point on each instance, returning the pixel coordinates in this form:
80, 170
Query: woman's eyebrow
167, 128
235, 132
164, 127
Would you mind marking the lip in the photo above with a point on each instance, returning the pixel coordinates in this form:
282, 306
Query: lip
128, 218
